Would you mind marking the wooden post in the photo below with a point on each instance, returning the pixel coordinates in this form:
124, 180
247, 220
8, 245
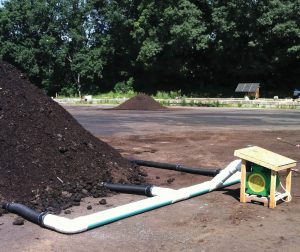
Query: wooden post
288, 184
272, 202
257, 93
243, 182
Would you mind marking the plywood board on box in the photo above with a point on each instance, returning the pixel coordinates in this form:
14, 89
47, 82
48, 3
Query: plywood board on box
265, 158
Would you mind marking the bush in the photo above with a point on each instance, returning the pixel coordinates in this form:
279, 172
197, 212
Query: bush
168, 95
183, 102
124, 87
68, 91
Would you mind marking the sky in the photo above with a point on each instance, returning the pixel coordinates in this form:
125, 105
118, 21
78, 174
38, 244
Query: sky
1, 2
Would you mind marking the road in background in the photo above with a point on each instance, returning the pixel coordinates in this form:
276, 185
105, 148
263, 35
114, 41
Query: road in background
106, 122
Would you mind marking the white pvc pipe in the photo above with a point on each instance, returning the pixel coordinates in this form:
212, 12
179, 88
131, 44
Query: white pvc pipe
156, 191
165, 196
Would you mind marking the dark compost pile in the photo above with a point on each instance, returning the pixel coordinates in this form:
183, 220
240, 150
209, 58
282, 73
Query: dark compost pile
47, 159
140, 102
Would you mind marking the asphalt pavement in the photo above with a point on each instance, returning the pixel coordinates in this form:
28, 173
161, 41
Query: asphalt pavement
106, 122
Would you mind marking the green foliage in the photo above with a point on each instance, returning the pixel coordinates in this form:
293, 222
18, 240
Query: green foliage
168, 95
113, 95
183, 102
68, 91
124, 86
201, 47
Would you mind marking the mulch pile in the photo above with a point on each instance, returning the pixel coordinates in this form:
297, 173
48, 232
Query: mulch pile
140, 102
47, 159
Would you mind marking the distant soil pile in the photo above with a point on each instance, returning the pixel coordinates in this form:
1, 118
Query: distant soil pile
140, 102
47, 159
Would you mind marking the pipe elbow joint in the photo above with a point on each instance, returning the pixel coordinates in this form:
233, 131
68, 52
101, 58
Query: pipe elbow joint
64, 225
230, 169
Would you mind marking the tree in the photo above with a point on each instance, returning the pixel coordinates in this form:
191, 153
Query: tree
280, 24
50, 41
170, 36
193, 45
255, 41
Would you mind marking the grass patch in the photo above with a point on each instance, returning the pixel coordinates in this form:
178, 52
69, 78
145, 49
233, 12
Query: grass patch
168, 95
113, 95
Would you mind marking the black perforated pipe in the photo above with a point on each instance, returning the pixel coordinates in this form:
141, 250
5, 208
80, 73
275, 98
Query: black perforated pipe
131, 189
177, 167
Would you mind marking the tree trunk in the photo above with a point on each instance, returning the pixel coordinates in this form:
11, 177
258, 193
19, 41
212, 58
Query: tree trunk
78, 85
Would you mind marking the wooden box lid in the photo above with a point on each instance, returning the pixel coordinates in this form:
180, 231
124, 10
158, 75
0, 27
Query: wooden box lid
265, 158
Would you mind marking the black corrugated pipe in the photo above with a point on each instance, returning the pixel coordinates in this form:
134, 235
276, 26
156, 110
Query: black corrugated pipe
25, 212
177, 167
131, 189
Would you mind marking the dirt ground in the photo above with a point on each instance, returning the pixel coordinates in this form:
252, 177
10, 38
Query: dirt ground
211, 222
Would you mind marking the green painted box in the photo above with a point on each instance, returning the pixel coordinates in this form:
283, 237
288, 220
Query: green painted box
258, 181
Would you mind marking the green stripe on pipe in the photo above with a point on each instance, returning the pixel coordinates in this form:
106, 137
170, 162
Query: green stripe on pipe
101, 223
199, 193
207, 190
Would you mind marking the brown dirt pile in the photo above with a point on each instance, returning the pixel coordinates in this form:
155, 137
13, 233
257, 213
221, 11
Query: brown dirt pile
47, 159
140, 102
